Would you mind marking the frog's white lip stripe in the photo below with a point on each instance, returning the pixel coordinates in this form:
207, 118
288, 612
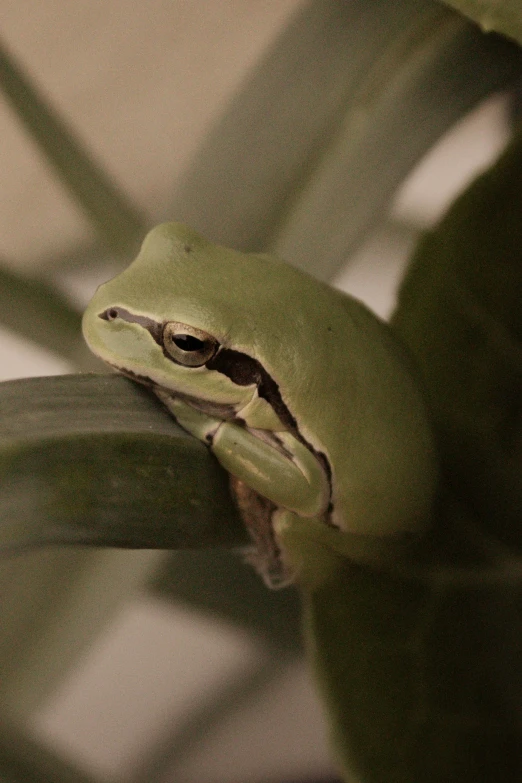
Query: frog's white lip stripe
220, 410
134, 376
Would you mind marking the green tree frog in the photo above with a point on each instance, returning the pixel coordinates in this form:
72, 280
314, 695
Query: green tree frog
302, 394
311, 405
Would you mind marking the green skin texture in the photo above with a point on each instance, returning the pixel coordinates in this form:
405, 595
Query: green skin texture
341, 375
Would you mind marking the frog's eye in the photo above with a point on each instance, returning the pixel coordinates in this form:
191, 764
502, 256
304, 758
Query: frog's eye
187, 345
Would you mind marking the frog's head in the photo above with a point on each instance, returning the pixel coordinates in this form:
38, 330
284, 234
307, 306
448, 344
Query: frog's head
181, 318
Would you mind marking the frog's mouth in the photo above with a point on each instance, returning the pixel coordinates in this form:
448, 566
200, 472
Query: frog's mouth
217, 410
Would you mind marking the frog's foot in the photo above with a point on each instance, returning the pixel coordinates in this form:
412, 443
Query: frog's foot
265, 554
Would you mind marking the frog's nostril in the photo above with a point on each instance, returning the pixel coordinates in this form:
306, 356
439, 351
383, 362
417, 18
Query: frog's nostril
111, 314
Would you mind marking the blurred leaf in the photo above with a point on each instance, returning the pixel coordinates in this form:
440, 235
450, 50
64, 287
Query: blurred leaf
460, 313
348, 99
35, 310
217, 582
422, 677
116, 219
502, 16
97, 460
164, 761
23, 760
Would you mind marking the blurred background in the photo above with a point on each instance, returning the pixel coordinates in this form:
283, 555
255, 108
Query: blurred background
142, 85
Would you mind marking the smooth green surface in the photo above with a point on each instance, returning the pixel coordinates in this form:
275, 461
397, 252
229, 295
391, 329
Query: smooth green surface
422, 680
95, 459
460, 314
501, 16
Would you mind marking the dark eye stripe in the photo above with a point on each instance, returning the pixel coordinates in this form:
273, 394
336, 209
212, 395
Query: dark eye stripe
240, 368
246, 371
154, 328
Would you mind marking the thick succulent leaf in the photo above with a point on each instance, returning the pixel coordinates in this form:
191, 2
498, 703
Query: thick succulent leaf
460, 313
348, 99
502, 16
96, 459
116, 219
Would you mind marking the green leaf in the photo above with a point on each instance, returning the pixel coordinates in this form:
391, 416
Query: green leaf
117, 220
422, 676
502, 16
460, 313
349, 98
96, 459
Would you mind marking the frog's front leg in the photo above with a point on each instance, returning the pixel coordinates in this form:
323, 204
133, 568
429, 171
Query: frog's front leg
280, 468
275, 465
